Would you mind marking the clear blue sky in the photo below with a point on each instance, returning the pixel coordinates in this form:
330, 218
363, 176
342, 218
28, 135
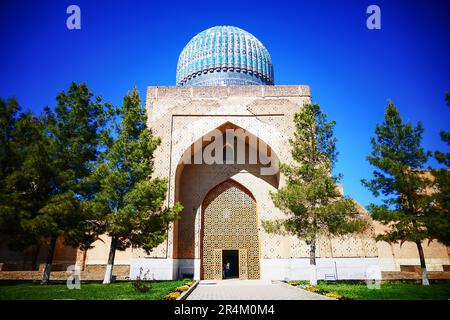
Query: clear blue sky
352, 71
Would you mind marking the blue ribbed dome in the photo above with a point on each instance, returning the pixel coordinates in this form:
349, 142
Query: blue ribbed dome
224, 55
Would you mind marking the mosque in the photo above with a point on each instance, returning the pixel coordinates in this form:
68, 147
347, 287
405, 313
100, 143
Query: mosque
224, 128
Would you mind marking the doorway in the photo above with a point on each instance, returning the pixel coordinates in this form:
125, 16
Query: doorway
229, 231
231, 257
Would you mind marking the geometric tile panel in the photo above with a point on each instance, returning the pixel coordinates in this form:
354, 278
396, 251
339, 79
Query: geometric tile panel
230, 223
298, 248
347, 246
370, 247
243, 259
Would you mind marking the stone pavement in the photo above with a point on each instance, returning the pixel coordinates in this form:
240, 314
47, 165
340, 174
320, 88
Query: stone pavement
234, 289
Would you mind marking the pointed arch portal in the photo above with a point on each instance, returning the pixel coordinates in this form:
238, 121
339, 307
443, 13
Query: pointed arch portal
229, 224
195, 243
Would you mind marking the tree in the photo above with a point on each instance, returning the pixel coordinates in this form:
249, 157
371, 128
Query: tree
400, 177
25, 177
132, 204
311, 198
9, 112
441, 228
75, 131
441, 157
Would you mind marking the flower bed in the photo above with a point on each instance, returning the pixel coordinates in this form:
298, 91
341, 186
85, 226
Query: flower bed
182, 288
178, 291
172, 296
314, 289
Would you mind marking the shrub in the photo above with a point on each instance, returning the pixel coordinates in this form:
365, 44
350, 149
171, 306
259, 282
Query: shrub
140, 284
189, 283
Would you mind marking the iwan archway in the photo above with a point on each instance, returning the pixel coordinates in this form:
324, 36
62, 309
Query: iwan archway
229, 223
193, 182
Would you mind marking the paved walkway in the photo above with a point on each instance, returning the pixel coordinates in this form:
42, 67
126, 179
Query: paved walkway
250, 290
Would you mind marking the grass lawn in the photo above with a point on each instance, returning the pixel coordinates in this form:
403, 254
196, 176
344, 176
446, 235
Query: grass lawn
21, 290
388, 291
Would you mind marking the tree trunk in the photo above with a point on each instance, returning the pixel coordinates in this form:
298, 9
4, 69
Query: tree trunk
423, 265
49, 261
109, 267
312, 263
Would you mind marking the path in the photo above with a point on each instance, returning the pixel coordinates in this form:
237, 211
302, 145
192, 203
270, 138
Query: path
250, 290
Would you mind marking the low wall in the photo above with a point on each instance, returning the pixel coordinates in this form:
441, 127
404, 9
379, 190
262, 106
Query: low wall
91, 272
331, 268
153, 269
119, 269
271, 269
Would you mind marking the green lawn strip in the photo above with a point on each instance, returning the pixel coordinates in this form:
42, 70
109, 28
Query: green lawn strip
89, 291
388, 291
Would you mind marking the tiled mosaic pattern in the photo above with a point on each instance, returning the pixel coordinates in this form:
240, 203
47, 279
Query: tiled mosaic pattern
224, 55
194, 184
230, 223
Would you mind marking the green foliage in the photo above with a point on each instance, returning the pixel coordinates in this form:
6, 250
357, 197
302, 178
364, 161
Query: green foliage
388, 291
444, 158
25, 181
142, 284
9, 111
66, 175
74, 132
131, 204
399, 159
45, 170
310, 198
441, 195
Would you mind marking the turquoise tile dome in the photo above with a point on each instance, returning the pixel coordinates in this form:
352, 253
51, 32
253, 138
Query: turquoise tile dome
224, 55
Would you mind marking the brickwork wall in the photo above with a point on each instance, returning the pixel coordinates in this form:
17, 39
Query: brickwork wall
183, 115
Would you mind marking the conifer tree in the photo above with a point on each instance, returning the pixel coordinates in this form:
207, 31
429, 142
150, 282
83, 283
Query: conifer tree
442, 157
74, 133
44, 173
441, 194
9, 113
24, 179
132, 204
311, 199
399, 159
